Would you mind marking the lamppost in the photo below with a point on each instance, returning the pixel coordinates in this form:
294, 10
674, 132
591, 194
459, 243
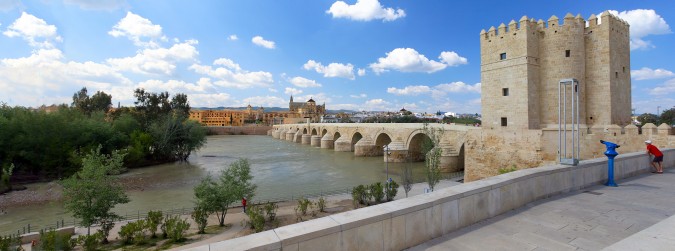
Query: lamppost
386, 154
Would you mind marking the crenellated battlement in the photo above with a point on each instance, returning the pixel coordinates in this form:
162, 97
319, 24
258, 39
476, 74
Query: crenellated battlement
553, 22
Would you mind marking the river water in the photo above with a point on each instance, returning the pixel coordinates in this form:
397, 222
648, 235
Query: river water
281, 169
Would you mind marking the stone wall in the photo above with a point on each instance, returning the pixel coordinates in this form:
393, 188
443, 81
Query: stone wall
408, 222
488, 151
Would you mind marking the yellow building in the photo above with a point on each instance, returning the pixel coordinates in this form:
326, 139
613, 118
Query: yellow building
297, 113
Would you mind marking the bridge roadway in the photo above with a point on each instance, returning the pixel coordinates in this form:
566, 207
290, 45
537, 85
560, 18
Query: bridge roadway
633, 216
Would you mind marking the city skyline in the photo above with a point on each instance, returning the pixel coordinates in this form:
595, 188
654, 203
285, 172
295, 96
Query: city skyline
354, 55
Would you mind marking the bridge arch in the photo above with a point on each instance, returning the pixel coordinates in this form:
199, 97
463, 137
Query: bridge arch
314, 131
304, 130
336, 135
382, 139
416, 145
323, 132
355, 139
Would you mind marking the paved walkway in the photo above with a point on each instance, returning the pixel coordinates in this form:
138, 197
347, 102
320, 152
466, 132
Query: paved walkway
591, 219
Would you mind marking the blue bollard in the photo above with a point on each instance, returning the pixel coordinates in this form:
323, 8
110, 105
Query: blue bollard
610, 153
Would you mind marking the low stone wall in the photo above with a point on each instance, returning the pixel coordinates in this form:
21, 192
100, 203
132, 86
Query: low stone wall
238, 130
35, 236
408, 222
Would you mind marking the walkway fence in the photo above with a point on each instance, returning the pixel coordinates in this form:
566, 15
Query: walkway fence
138, 215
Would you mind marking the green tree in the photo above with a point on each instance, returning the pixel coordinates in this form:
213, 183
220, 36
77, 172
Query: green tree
232, 185
668, 117
647, 118
98, 102
91, 194
431, 149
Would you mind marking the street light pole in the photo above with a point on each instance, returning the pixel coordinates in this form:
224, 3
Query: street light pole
387, 153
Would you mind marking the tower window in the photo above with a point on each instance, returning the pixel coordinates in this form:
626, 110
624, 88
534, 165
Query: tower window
504, 121
505, 91
502, 56
567, 53
616, 74
624, 69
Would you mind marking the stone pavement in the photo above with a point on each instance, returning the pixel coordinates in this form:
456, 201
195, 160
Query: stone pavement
591, 219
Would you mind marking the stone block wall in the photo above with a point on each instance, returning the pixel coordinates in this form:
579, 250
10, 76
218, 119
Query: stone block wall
488, 151
408, 222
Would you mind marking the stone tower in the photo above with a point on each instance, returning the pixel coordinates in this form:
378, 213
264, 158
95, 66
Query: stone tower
522, 64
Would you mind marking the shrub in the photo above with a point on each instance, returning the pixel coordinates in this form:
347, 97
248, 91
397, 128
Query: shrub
201, 217
377, 191
256, 218
90, 242
271, 210
359, 195
303, 204
51, 240
392, 190
106, 226
133, 232
175, 228
321, 204
154, 219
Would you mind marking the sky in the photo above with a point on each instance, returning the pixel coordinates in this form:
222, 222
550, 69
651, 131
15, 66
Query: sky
369, 55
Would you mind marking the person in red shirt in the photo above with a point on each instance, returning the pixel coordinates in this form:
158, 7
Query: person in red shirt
658, 156
243, 203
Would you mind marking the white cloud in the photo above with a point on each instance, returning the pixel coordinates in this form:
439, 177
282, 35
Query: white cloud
362, 95
159, 61
317, 97
459, 87
232, 37
667, 88
364, 10
266, 101
332, 70
648, 73
353, 107
178, 86
412, 90
303, 82
260, 41
377, 105
292, 91
451, 58
6, 5
57, 79
272, 90
643, 23
137, 28
361, 72
231, 75
98, 4
31, 29
406, 60
209, 99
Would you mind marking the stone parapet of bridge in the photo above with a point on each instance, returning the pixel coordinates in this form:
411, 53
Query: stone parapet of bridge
366, 140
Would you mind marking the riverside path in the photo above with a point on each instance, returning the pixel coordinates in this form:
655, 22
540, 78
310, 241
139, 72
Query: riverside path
634, 216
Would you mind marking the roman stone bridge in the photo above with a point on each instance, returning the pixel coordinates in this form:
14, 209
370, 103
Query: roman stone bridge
404, 140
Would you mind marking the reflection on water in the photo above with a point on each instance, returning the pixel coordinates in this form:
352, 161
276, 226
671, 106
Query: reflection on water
281, 169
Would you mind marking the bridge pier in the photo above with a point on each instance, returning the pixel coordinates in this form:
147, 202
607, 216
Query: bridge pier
306, 139
289, 135
275, 134
297, 138
327, 142
343, 145
366, 148
398, 153
449, 163
316, 141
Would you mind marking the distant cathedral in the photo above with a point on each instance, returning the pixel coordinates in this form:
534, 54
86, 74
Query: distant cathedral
307, 109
